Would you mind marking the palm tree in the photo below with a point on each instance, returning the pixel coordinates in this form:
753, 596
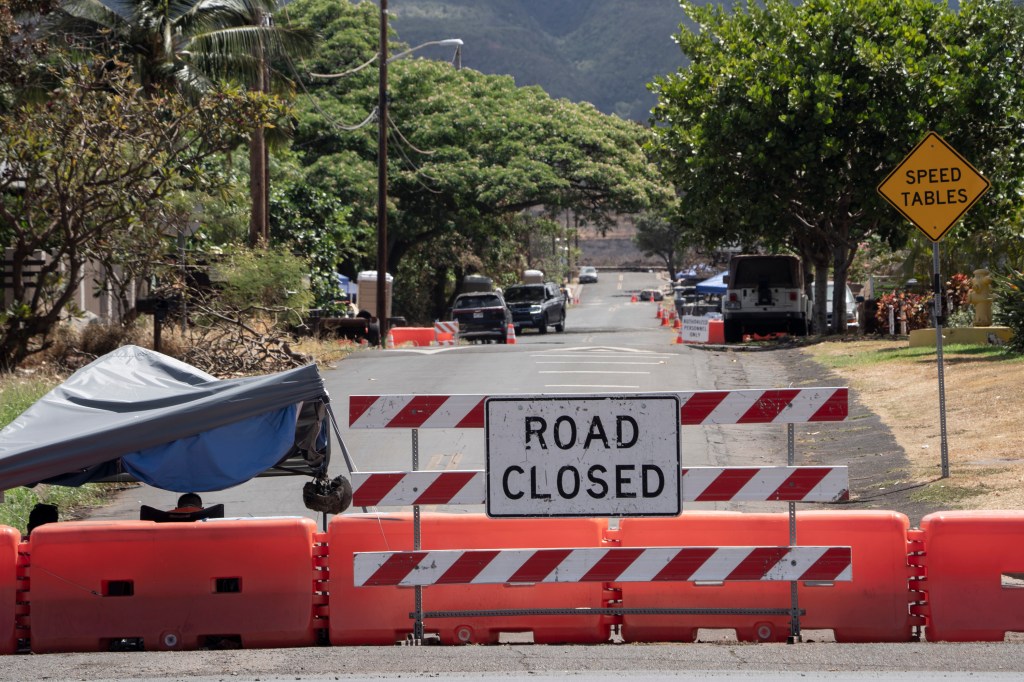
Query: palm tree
190, 46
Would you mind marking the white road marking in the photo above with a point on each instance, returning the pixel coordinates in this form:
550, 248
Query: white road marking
586, 371
587, 386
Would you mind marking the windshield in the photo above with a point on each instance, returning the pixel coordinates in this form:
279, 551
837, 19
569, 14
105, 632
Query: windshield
524, 294
586, 270
486, 301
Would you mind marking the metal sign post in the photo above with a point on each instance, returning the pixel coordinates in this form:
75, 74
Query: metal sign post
933, 187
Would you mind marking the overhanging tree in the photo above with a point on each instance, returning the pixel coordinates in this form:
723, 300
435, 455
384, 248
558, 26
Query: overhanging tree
789, 116
85, 178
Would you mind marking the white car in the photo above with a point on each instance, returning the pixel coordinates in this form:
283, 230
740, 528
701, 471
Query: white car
588, 273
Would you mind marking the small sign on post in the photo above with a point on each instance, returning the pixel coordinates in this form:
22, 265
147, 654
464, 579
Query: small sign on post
933, 187
583, 456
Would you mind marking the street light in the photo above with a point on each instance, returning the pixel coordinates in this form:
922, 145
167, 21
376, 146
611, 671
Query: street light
382, 162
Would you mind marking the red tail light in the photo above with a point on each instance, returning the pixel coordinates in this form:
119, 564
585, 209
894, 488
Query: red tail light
792, 295
733, 297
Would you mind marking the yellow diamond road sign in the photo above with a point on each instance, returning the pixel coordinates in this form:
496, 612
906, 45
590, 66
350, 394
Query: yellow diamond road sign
934, 186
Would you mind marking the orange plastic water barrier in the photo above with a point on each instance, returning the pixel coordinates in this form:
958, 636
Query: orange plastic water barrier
9, 539
975, 575
874, 607
417, 336
380, 615
716, 331
100, 585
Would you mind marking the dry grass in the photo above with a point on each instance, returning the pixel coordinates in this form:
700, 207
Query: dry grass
984, 415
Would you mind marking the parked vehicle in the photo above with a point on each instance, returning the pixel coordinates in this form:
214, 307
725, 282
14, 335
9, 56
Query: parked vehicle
536, 305
765, 295
482, 316
651, 295
851, 308
588, 274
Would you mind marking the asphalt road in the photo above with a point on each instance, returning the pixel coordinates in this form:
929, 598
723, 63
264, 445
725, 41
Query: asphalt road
610, 344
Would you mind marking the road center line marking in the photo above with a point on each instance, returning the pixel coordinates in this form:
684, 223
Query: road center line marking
585, 371
588, 386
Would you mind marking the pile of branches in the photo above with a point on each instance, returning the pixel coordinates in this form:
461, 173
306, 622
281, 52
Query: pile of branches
228, 343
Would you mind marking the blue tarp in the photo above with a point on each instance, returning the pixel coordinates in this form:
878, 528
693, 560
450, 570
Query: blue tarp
345, 284
713, 285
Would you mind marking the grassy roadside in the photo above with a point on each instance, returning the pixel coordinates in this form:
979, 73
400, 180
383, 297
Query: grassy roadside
984, 414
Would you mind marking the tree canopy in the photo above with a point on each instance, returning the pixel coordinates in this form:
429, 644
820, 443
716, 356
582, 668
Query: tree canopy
468, 152
789, 116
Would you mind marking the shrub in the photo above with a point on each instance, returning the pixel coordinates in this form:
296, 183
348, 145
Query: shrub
265, 279
916, 307
1008, 300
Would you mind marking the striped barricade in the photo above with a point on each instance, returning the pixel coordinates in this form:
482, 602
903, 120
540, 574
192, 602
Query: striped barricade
697, 408
447, 567
582, 565
445, 332
700, 484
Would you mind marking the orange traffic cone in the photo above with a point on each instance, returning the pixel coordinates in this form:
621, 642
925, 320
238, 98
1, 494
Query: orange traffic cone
677, 323
679, 336
657, 314
664, 321
510, 335
633, 299
390, 342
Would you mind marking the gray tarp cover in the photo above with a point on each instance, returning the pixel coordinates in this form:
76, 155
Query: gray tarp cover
131, 400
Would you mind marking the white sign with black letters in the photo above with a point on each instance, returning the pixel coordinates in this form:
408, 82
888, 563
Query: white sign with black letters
583, 456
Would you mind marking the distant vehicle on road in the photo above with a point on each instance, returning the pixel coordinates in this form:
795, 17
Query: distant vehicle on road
588, 274
651, 295
482, 316
536, 305
765, 295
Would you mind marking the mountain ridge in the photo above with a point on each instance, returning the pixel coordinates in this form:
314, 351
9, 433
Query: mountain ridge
598, 51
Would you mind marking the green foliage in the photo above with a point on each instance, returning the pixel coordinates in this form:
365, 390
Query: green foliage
264, 278
70, 501
789, 116
188, 45
1008, 300
313, 224
468, 153
99, 162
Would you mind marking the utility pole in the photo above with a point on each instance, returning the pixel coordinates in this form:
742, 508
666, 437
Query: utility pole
382, 176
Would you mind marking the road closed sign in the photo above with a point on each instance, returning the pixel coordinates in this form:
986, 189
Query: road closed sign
582, 456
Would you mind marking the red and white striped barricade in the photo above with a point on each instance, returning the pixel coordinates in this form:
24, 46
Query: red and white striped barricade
699, 484
445, 333
746, 406
619, 565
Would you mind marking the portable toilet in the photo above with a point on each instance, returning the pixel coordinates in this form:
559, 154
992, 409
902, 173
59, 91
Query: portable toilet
367, 298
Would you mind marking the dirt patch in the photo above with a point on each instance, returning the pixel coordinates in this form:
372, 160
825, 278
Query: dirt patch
899, 451
881, 474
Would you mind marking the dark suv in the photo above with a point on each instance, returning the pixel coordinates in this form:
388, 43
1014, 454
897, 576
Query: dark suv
482, 316
536, 305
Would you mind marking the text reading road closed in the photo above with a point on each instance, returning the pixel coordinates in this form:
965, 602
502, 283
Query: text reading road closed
583, 456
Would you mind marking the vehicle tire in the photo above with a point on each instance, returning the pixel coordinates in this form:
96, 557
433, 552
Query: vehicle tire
798, 328
733, 331
543, 328
560, 327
